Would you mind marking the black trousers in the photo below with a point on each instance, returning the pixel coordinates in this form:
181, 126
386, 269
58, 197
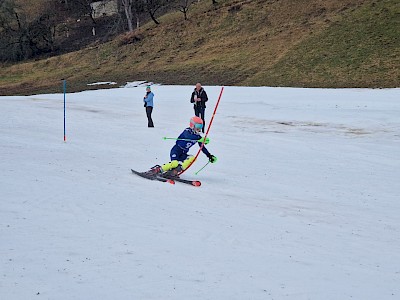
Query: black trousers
200, 112
149, 110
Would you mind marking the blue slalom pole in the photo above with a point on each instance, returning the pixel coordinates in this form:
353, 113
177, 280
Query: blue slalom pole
65, 90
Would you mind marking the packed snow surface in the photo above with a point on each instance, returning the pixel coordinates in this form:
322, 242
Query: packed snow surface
303, 203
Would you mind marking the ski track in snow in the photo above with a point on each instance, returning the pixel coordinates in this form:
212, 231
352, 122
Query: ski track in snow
303, 202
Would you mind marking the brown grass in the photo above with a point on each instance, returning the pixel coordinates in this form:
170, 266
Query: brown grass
235, 43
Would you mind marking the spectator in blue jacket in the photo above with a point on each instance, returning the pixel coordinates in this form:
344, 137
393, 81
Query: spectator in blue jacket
199, 98
148, 104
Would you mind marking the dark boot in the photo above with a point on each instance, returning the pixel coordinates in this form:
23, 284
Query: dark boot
174, 172
156, 170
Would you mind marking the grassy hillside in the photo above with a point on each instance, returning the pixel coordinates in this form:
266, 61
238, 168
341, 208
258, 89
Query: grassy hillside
360, 49
313, 43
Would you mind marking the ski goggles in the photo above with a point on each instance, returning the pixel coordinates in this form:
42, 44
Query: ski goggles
198, 126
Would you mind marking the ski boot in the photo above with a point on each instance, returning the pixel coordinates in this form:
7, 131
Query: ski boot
156, 170
174, 173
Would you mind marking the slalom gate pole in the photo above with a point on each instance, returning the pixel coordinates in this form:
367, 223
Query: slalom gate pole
208, 130
65, 90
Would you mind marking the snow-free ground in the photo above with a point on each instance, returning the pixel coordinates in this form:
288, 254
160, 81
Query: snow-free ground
303, 203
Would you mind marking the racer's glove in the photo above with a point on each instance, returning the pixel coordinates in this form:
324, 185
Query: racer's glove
212, 158
205, 141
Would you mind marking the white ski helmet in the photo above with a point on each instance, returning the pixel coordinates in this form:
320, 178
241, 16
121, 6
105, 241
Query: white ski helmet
196, 123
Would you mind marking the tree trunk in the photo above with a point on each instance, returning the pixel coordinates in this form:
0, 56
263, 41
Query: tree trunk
128, 13
154, 18
137, 20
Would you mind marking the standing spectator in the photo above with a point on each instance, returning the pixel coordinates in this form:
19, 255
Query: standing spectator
199, 98
148, 104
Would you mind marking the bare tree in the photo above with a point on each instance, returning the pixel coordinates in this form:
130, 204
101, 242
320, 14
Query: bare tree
138, 9
132, 10
21, 36
183, 6
152, 6
127, 5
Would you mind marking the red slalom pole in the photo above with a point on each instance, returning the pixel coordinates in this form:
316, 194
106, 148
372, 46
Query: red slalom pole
208, 129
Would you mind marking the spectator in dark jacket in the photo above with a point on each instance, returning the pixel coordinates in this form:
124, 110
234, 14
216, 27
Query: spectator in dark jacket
199, 98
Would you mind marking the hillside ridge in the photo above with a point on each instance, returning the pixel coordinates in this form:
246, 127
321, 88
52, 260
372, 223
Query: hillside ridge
312, 43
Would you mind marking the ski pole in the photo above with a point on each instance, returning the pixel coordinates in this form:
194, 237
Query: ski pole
176, 139
202, 168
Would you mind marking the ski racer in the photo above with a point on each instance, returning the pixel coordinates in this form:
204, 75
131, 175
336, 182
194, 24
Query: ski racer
180, 159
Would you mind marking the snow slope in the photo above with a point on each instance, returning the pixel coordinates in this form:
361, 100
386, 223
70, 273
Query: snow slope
303, 202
